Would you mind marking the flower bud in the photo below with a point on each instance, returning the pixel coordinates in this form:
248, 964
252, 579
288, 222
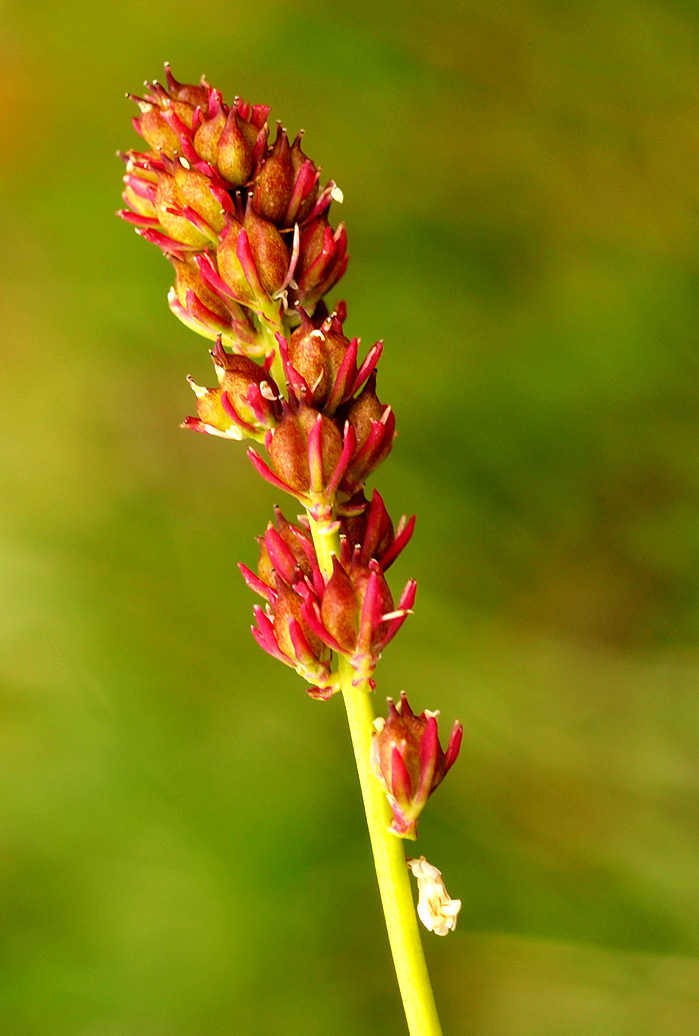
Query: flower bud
245, 405
364, 412
195, 304
242, 142
305, 190
207, 136
151, 125
269, 251
193, 94
374, 428
254, 267
196, 192
140, 182
229, 265
409, 762
322, 261
282, 629
211, 418
274, 182
299, 550
342, 608
289, 449
317, 355
169, 208
287, 608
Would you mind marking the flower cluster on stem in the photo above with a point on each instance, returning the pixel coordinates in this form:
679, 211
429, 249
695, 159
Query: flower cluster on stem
246, 226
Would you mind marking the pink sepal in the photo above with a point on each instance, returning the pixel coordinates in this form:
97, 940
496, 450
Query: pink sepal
323, 202
371, 614
247, 261
233, 414
195, 424
256, 584
196, 309
168, 244
302, 649
399, 544
305, 181
295, 249
428, 754
197, 221
282, 560
368, 366
317, 267
266, 472
350, 439
377, 524
454, 746
261, 407
401, 785
138, 221
400, 615
342, 388
264, 635
170, 116
211, 278
310, 613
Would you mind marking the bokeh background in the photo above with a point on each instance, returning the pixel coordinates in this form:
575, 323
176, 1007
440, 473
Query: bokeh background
183, 851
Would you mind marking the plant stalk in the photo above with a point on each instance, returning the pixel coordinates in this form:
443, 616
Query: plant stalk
389, 857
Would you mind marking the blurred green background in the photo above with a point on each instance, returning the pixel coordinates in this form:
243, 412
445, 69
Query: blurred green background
183, 851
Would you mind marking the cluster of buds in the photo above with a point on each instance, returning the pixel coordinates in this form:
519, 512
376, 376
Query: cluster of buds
311, 619
324, 434
244, 222
245, 226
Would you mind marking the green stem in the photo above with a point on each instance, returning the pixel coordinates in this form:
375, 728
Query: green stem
271, 323
389, 858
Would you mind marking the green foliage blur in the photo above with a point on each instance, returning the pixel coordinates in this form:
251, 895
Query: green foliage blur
182, 847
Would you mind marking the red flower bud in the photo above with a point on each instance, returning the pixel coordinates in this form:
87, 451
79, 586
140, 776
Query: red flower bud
287, 607
274, 183
200, 308
317, 355
305, 189
290, 451
322, 261
282, 630
269, 251
154, 129
234, 150
371, 532
207, 137
284, 549
194, 94
246, 404
374, 428
409, 762
169, 207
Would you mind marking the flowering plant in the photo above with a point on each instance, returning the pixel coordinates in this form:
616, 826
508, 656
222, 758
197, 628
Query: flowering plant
246, 227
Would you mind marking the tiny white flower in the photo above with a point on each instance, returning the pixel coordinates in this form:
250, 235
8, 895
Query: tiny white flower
435, 909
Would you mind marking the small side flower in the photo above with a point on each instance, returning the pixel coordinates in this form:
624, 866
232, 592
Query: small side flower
409, 762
